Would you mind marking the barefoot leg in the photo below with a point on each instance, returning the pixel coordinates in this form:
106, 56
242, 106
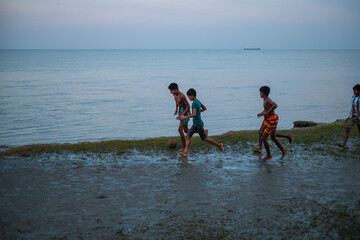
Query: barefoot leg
221, 147
346, 137
213, 142
186, 129
182, 135
183, 154
342, 145
290, 139
267, 158
284, 154
257, 150
266, 145
277, 142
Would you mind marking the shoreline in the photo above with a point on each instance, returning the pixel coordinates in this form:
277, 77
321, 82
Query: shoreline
301, 135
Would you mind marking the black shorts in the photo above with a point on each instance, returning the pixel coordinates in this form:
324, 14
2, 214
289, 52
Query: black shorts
197, 129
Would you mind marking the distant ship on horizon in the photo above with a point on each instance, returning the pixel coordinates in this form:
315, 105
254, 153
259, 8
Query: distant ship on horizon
252, 48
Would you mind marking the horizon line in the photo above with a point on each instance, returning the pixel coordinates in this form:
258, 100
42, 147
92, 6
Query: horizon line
237, 49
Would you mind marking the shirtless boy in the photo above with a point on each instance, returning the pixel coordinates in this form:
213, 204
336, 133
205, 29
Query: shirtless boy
270, 123
182, 109
278, 135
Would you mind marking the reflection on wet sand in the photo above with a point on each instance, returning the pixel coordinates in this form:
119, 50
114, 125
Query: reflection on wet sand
158, 195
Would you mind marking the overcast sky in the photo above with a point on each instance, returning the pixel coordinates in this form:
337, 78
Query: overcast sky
180, 24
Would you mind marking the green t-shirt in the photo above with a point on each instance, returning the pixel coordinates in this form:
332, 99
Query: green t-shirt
197, 119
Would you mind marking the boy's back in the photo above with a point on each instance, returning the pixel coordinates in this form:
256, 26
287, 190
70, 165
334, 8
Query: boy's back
197, 119
181, 100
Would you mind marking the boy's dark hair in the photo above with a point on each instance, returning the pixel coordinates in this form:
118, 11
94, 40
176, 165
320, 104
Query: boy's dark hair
173, 86
357, 87
191, 92
265, 90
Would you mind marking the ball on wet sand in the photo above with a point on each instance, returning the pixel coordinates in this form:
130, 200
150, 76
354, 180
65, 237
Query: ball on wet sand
172, 143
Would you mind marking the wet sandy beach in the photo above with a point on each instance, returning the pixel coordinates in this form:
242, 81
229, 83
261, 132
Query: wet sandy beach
135, 195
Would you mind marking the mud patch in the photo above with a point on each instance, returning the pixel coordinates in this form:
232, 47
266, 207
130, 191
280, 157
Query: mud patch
313, 193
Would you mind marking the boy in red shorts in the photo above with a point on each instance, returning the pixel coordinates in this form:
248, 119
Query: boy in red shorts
270, 123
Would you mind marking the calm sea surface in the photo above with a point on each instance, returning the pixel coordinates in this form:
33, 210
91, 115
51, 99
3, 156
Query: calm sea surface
58, 96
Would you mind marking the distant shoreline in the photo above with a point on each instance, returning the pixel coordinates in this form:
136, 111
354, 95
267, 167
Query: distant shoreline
176, 49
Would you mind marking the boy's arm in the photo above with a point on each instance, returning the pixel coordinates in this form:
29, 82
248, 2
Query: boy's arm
203, 108
193, 114
177, 107
357, 115
272, 108
187, 109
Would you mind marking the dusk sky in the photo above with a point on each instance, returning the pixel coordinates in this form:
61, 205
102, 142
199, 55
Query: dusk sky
179, 24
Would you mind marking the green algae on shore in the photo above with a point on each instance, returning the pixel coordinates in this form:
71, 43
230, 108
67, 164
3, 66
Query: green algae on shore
329, 134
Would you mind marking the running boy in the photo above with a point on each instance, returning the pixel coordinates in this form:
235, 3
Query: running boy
355, 115
198, 125
278, 135
182, 109
270, 123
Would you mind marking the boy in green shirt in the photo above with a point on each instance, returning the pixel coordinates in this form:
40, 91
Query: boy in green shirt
198, 125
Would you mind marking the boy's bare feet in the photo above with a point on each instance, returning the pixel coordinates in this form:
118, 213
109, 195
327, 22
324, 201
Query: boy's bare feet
284, 154
267, 158
257, 150
181, 150
342, 145
183, 154
221, 147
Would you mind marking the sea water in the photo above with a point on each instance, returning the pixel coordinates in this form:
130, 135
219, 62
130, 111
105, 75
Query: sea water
58, 96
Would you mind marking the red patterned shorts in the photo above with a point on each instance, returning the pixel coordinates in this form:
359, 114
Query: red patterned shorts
270, 123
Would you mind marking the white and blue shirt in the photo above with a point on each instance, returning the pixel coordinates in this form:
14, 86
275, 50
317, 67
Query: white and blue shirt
355, 107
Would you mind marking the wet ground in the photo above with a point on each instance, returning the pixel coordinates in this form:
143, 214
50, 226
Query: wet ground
210, 195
